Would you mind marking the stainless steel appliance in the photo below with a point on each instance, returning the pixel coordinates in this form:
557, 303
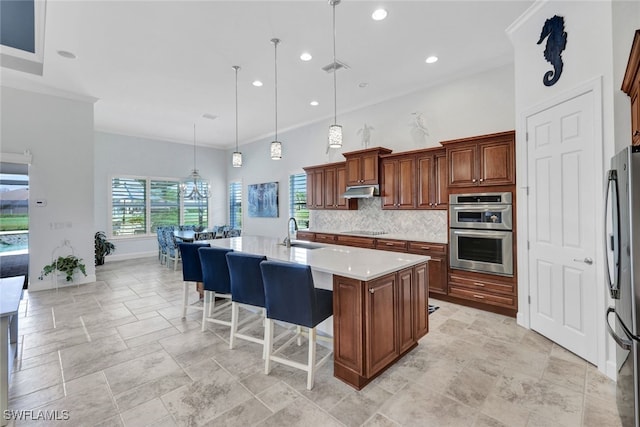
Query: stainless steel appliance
622, 243
480, 232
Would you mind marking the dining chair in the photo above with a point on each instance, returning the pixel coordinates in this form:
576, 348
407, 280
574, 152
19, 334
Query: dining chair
191, 270
247, 291
172, 253
216, 281
291, 297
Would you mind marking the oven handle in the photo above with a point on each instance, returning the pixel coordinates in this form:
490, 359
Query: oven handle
481, 208
482, 233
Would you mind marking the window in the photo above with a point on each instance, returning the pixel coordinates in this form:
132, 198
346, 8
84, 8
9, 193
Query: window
235, 205
298, 199
139, 205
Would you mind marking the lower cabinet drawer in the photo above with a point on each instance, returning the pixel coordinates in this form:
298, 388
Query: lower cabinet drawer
306, 235
391, 245
361, 242
481, 285
484, 297
424, 248
329, 238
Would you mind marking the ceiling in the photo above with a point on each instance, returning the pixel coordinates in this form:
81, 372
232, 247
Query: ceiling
157, 66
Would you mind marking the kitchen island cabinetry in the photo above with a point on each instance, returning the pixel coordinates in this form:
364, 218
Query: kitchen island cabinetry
380, 321
481, 161
363, 166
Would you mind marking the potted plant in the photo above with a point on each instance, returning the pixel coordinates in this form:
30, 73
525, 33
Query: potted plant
103, 247
65, 264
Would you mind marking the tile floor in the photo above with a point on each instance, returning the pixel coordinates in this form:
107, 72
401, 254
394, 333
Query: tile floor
116, 352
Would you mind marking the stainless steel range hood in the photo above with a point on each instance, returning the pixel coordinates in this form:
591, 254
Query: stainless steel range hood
361, 192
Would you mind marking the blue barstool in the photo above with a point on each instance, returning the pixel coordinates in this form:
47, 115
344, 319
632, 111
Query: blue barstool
290, 296
215, 278
191, 270
246, 289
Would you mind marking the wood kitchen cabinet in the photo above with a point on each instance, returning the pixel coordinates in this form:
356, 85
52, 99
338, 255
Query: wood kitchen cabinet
306, 235
631, 86
432, 180
481, 161
485, 290
363, 166
376, 322
398, 182
357, 241
325, 186
438, 264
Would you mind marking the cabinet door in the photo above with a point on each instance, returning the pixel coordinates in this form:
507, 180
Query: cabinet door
406, 183
348, 329
421, 289
369, 169
388, 184
441, 193
405, 309
353, 170
381, 324
341, 187
330, 188
462, 166
438, 275
496, 163
425, 182
310, 190
318, 188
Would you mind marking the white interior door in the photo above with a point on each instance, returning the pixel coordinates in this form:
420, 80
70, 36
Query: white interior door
562, 224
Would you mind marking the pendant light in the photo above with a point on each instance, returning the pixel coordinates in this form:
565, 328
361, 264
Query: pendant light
236, 158
335, 130
276, 146
200, 188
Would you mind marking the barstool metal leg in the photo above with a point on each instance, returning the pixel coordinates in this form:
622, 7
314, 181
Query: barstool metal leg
185, 300
312, 358
268, 345
234, 324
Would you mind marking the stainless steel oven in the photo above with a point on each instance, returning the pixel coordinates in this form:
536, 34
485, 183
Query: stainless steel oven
480, 232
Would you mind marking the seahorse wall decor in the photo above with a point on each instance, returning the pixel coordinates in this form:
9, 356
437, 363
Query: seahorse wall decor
553, 31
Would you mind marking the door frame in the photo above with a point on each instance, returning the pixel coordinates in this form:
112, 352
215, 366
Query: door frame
523, 262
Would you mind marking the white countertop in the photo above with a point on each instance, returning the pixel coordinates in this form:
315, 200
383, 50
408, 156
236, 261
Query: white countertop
392, 236
356, 263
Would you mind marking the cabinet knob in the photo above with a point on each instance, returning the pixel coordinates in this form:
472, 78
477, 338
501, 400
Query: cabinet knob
372, 291
636, 133
481, 179
473, 180
478, 296
426, 248
479, 284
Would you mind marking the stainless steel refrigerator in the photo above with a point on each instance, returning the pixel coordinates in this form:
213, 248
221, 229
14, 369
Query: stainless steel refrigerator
622, 243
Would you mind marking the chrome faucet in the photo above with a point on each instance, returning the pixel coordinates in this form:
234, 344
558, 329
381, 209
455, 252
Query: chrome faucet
287, 241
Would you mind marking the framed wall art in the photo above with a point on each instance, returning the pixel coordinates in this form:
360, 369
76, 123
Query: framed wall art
263, 200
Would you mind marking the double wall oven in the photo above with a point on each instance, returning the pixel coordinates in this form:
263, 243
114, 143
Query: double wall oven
481, 232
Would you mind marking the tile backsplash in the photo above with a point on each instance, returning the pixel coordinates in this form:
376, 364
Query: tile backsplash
429, 224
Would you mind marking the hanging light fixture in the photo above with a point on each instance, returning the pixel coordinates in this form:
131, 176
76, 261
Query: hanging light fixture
236, 158
200, 188
276, 146
335, 130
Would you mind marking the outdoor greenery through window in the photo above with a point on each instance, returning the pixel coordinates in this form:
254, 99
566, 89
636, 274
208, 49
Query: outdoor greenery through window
235, 205
140, 205
298, 199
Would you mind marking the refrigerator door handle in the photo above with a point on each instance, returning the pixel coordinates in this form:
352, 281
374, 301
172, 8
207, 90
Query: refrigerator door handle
612, 283
625, 344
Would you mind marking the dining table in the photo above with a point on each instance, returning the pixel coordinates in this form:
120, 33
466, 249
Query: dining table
189, 236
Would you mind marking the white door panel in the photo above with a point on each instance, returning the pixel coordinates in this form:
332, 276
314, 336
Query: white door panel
560, 153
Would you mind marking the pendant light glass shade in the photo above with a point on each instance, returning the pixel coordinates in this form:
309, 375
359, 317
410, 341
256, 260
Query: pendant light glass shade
236, 157
193, 187
335, 130
276, 146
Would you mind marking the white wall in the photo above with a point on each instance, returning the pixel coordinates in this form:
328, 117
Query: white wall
475, 105
127, 155
594, 51
59, 133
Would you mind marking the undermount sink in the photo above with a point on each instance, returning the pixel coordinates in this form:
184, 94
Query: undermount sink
303, 245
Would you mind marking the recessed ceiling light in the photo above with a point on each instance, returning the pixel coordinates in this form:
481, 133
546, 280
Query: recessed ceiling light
306, 56
67, 54
431, 59
314, 103
379, 14
363, 84
257, 83
209, 116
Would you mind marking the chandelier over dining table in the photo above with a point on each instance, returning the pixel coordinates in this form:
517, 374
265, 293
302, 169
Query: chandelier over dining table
196, 187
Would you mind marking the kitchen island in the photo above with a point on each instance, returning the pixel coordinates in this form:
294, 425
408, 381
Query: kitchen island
380, 299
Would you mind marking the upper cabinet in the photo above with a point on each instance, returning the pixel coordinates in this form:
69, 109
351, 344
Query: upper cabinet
631, 86
363, 166
325, 186
398, 182
432, 179
482, 160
